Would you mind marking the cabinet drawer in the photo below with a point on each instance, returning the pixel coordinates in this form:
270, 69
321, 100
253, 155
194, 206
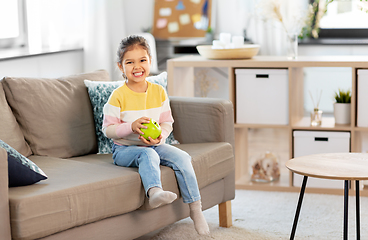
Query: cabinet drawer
362, 96
262, 96
315, 142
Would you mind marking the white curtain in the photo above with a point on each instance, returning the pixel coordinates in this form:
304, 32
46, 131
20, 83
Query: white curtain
54, 24
96, 25
104, 28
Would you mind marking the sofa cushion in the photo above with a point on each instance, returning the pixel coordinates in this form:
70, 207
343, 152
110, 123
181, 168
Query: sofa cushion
77, 192
21, 170
10, 131
99, 93
85, 189
55, 115
161, 79
211, 162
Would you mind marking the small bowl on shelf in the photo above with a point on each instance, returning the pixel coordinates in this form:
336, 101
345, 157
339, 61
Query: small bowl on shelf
245, 52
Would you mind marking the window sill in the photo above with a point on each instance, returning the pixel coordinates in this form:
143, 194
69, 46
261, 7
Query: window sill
22, 52
334, 41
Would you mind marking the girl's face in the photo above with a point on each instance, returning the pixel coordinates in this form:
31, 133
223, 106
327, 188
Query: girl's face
136, 65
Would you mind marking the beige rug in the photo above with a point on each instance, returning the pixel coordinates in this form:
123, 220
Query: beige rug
269, 215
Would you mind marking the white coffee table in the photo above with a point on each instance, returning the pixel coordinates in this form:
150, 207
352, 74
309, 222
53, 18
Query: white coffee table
337, 166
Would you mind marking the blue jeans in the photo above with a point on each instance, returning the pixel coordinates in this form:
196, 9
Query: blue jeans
148, 160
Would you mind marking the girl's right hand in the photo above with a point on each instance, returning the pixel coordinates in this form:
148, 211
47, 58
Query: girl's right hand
138, 124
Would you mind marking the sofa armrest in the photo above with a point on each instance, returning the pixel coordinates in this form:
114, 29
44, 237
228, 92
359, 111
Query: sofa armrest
198, 120
4, 196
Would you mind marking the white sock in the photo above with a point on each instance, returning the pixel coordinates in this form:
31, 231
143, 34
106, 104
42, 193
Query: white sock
158, 197
197, 216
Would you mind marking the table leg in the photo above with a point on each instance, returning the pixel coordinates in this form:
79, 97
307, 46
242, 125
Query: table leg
346, 203
357, 209
301, 195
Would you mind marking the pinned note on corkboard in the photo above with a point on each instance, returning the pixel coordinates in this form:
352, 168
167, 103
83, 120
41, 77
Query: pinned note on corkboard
181, 18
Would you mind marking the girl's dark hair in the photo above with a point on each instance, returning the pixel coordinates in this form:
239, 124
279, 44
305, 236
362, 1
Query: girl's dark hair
129, 42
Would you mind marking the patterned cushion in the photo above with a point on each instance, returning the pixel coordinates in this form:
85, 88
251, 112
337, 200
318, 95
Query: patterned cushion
21, 170
161, 79
99, 93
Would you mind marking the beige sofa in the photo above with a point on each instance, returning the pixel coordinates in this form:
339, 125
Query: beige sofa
86, 196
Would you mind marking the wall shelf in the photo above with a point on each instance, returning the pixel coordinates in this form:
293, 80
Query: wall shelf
242, 125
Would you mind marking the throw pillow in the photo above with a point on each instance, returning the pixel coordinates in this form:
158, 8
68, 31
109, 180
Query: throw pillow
21, 170
62, 123
161, 79
10, 131
99, 93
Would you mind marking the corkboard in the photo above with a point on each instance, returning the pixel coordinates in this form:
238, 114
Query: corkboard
181, 18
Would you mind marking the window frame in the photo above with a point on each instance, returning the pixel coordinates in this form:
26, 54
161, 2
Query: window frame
352, 33
21, 40
342, 33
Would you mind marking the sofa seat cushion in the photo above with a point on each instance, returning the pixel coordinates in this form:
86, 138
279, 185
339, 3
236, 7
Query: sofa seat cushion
55, 115
211, 162
76, 193
85, 189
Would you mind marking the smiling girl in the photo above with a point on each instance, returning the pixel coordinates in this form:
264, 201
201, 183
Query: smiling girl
135, 103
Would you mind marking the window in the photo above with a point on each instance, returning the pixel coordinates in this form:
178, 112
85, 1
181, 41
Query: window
9, 19
345, 19
12, 30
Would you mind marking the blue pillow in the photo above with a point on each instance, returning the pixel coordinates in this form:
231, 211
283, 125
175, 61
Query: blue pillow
99, 93
161, 79
21, 170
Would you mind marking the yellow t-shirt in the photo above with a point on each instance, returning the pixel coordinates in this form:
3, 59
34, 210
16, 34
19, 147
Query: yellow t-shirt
125, 106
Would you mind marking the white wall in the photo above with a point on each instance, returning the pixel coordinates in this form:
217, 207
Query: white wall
47, 65
230, 15
328, 80
138, 15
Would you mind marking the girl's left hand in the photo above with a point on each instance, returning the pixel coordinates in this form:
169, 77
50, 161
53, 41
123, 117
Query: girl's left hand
151, 141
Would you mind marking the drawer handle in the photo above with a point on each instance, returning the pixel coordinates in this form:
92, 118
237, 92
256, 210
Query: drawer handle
261, 75
321, 139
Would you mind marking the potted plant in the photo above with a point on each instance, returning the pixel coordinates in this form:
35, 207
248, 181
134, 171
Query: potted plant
342, 107
209, 35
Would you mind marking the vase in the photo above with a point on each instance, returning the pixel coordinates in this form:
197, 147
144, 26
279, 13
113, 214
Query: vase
209, 37
316, 117
292, 46
342, 113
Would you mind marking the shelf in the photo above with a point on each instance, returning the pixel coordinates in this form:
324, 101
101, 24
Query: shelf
328, 123
280, 185
362, 129
254, 139
243, 125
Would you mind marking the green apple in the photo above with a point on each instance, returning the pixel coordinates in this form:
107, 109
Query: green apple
153, 130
